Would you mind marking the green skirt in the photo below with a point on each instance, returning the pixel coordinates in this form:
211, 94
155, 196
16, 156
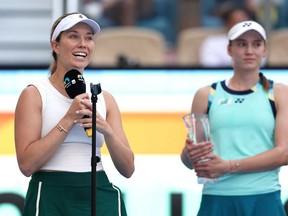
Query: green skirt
68, 193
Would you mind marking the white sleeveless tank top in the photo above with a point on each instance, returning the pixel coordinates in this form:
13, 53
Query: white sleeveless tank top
74, 154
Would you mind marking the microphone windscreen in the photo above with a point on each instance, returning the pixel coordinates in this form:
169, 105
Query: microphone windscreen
74, 83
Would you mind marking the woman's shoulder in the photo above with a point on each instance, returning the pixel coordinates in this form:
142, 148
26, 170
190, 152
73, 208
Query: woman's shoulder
280, 86
29, 98
33, 87
109, 98
202, 94
280, 91
29, 91
205, 90
107, 95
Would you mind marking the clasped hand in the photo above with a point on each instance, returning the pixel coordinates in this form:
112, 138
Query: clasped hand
205, 163
83, 107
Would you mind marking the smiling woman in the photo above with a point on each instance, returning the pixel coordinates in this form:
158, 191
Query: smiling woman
49, 133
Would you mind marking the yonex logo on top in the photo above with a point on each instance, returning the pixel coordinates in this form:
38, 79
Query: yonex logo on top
247, 24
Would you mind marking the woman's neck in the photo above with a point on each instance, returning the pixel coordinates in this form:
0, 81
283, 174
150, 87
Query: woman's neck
242, 83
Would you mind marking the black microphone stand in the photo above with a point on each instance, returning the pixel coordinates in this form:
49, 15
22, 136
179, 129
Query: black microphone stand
95, 90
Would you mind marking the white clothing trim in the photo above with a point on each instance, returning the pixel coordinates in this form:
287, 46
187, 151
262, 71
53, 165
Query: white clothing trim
119, 200
38, 198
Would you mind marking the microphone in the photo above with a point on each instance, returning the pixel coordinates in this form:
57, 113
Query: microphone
74, 85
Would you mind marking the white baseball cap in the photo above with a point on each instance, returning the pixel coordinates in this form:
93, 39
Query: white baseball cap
242, 27
71, 20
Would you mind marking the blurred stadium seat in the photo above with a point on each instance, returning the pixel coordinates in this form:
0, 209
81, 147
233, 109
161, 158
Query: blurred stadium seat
189, 41
140, 46
278, 48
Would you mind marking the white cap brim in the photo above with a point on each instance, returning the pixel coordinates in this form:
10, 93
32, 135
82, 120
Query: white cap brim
242, 27
70, 21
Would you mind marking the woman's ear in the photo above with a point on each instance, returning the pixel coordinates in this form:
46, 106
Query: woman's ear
54, 46
229, 50
265, 53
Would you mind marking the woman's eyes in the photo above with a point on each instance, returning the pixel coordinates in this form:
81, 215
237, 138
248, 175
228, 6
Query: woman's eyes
244, 44
75, 36
241, 44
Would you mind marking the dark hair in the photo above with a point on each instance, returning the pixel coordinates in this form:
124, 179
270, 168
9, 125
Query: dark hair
228, 13
225, 9
265, 82
53, 65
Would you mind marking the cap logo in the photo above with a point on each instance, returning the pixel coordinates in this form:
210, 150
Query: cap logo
242, 27
247, 24
70, 20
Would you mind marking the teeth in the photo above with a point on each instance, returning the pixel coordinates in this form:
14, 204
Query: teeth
80, 54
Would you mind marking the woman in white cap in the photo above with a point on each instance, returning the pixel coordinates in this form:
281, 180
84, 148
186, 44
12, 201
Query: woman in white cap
248, 116
51, 144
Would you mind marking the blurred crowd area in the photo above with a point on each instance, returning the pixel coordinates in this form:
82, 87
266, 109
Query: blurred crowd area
137, 33
171, 16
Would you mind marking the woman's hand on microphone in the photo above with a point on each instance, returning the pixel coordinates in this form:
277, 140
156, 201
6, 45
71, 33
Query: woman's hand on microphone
76, 105
101, 123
